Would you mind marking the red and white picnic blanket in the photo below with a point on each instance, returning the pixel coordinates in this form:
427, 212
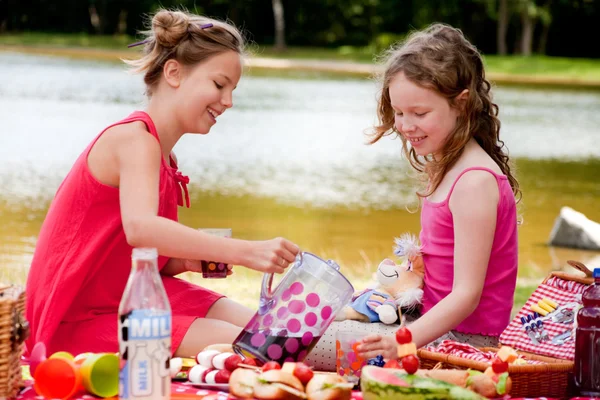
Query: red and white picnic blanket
464, 350
560, 291
179, 390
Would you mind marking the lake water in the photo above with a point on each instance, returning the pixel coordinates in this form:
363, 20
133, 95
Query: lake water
289, 159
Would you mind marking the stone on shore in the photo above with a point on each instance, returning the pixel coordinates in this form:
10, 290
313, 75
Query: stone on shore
573, 229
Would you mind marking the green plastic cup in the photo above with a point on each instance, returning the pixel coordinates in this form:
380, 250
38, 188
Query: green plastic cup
100, 374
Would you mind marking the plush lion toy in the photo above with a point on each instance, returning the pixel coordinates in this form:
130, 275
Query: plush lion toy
398, 287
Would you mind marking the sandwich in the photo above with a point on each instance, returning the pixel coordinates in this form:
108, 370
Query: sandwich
242, 382
328, 387
274, 384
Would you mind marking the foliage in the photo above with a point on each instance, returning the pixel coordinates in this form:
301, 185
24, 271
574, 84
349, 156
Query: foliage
560, 26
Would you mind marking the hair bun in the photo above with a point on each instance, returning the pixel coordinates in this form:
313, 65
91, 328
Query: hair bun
170, 27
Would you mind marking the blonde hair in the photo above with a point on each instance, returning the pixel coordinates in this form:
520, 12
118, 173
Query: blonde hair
187, 38
440, 58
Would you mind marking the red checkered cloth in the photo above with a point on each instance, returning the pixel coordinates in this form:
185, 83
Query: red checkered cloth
179, 390
560, 291
464, 350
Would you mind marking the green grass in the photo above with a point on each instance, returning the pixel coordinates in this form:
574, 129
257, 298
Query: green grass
343, 53
66, 40
521, 296
534, 66
580, 68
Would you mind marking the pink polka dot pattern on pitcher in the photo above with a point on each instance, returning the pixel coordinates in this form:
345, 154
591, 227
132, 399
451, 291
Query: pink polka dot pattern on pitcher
268, 320
310, 319
296, 288
297, 306
282, 312
288, 330
291, 345
286, 295
274, 351
258, 339
307, 338
326, 312
313, 300
294, 325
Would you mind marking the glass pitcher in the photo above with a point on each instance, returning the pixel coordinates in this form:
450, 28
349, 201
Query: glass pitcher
291, 319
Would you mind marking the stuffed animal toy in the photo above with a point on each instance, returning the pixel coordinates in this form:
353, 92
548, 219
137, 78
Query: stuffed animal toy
398, 287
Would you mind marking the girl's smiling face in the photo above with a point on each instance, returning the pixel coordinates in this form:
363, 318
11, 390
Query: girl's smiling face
205, 91
422, 116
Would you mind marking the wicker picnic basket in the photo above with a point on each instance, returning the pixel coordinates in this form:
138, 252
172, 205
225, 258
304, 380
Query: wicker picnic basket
550, 379
14, 329
540, 380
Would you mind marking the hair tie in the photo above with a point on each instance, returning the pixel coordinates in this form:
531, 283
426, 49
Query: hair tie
205, 26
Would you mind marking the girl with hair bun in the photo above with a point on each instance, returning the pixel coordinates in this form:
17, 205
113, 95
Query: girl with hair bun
124, 191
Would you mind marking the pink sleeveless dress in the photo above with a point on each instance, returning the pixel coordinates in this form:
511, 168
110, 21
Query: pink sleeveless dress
492, 314
82, 262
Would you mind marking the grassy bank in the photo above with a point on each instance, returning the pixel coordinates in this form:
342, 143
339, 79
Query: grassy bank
505, 69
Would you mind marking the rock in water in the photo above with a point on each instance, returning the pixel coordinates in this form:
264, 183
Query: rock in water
573, 229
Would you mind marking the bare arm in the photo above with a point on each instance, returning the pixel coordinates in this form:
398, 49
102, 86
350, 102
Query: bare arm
473, 204
174, 266
139, 158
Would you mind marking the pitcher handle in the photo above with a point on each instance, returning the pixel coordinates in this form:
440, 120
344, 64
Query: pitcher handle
266, 293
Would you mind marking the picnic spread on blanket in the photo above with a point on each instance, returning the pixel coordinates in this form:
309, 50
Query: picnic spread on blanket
550, 349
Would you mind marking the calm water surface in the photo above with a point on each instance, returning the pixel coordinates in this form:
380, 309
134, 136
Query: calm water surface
288, 160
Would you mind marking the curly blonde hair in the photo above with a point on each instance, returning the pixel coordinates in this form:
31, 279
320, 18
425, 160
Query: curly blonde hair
185, 37
440, 58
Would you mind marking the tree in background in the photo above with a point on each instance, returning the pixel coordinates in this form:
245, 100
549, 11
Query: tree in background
502, 27
553, 27
545, 18
279, 25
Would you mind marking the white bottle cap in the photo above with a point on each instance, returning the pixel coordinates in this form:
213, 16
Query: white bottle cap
144, 253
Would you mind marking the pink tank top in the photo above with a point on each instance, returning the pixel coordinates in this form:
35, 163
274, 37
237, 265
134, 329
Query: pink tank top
492, 315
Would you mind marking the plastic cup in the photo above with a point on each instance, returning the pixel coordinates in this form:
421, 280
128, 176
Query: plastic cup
80, 358
56, 378
348, 363
100, 374
215, 269
62, 354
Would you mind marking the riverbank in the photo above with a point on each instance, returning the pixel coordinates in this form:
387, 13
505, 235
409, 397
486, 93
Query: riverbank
347, 61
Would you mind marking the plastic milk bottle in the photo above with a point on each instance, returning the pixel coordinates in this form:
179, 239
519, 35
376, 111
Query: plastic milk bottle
144, 331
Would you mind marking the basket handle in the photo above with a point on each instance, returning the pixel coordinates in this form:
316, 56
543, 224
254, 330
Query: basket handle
581, 267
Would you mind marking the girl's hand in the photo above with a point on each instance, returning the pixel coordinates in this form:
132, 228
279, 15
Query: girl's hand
271, 256
374, 345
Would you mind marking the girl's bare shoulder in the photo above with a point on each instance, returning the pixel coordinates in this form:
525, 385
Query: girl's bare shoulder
135, 130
